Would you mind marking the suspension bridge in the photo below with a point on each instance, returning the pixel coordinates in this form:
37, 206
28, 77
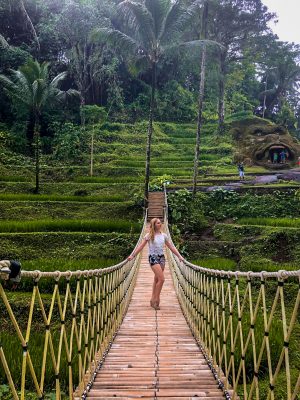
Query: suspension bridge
213, 338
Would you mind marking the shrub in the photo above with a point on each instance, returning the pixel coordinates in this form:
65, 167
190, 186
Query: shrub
221, 204
69, 141
68, 225
186, 212
157, 183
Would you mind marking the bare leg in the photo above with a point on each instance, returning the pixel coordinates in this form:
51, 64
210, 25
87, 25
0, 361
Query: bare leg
158, 283
155, 281
163, 268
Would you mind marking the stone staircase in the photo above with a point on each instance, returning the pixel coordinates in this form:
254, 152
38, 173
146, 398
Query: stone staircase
156, 201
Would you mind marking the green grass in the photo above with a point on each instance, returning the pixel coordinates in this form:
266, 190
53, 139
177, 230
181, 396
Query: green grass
233, 170
166, 157
64, 225
109, 179
183, 140
10, 178
13, 353
267, 265
69, 245
109, 187
118, 171
173, 171
164, 162
62, 264
222, 179
56, 198
276, 222
219, 263
156, 163
34, 210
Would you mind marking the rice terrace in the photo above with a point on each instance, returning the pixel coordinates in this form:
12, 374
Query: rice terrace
149, 201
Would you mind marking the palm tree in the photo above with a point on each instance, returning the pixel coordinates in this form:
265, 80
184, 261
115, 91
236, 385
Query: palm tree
199, 11
203, 35
284, 79
30, 85
150, 28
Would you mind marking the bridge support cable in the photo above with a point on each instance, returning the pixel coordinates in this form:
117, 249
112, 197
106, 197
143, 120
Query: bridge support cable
247, 325
74, 315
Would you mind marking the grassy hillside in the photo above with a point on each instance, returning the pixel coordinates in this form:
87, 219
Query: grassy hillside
114, 191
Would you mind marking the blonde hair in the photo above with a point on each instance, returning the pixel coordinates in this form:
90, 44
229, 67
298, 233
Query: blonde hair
152, 228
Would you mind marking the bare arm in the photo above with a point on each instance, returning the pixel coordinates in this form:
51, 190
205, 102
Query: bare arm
137, 250
174, 250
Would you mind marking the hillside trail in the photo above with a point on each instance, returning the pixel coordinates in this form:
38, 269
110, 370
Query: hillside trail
286, 175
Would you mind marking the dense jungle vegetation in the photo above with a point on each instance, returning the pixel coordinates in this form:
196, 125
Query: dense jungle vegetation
106, 51
90, 90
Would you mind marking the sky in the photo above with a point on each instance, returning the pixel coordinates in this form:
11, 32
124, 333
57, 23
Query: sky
288, 27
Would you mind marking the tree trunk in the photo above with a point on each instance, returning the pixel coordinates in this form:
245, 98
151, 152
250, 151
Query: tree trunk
272, 102
149, 137
27, 18
92, 151
221, 105
82, 114
265, 97
199, 120
37, 154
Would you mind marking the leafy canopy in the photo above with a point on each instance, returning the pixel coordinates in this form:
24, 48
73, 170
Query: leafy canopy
30, 85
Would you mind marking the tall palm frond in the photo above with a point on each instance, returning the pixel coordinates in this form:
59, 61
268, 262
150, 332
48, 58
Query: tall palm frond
33, 70
31, 86
172, 26
139, 20
58, 78
191, 15
116, 38
63, 95
3, 43
158, 10
17, 88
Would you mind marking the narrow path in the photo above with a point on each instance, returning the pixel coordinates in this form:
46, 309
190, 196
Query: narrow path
154, 355
258, 179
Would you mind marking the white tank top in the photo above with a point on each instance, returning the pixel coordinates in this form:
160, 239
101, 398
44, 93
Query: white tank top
156, 247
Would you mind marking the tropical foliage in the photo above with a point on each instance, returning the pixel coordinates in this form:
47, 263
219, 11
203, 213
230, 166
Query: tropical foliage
30, 85
138, 60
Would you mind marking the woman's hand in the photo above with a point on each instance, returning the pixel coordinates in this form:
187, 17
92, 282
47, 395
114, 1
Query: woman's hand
131, 257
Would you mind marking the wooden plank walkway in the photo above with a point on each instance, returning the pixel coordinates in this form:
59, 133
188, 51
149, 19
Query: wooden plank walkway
154, 355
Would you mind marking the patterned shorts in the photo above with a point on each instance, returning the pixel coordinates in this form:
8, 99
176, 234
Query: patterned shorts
157, 259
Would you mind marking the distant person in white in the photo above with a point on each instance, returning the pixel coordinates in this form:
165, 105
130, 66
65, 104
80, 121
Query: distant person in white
156, 241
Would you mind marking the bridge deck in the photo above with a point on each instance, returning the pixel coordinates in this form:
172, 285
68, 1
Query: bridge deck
154, 355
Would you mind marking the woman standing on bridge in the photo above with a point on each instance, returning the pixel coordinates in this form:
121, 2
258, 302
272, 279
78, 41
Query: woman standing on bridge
156, 241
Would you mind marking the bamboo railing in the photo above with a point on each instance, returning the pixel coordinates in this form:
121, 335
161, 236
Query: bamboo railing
246, 324
86, 309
